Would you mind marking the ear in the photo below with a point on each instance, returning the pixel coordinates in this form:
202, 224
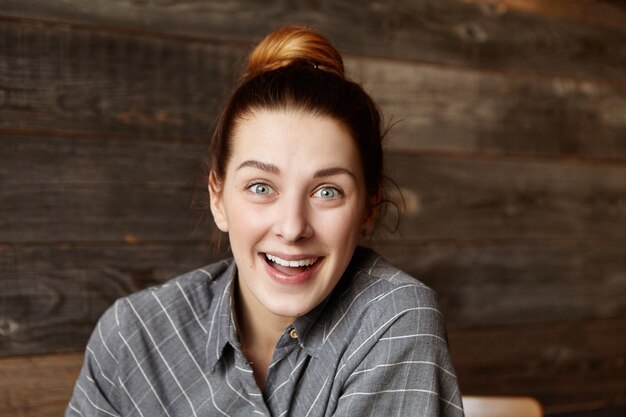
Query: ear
367, 226
217, 204
371, 214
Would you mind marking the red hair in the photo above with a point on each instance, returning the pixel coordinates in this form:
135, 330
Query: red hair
289, 45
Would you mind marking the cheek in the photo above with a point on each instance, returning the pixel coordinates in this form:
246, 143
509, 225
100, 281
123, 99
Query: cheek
340, 228
244, 220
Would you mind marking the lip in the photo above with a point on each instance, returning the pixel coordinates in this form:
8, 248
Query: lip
284, 279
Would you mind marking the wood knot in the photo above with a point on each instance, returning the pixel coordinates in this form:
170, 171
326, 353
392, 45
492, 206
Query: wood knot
8, 327
471, 32
494, 9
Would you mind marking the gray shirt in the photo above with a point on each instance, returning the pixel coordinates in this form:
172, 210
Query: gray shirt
375, 347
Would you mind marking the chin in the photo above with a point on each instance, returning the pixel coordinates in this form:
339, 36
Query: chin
292, 310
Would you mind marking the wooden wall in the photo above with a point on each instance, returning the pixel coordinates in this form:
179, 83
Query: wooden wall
509, 145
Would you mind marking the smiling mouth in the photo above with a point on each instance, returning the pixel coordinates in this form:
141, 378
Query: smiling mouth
294, 271
292, 264
290, 267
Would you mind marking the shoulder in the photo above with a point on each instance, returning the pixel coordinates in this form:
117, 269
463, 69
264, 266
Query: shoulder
177, 299
176, 289
377, 297
384, 285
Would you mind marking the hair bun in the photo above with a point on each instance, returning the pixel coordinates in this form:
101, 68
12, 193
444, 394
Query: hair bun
293, 44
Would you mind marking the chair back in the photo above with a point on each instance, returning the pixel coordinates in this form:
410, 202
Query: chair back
477, 406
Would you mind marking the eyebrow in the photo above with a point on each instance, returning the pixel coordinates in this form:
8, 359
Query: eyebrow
329, 172
263, 166
273, 169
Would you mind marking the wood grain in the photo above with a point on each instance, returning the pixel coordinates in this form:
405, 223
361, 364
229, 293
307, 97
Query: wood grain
115, 191
518, 281
507, 198
52, 295
509, 149
79, 189
555, 362
599, 12
439, 31
568, 366
460, 110
90, 83
37, 386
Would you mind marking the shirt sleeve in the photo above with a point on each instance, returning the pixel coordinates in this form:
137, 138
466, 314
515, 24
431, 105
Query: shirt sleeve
96, 391
406, 371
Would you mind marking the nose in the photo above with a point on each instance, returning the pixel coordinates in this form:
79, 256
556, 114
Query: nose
292, 224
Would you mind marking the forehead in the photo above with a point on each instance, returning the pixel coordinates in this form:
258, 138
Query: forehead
293, 139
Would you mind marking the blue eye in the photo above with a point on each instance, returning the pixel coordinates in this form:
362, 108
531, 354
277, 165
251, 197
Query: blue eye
261, 189
327, 193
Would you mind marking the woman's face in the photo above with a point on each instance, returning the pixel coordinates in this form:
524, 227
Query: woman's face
293, 202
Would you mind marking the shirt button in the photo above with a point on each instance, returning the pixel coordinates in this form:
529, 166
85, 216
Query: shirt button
293, 334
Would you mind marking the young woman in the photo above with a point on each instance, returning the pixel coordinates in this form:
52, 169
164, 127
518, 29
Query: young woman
302, 321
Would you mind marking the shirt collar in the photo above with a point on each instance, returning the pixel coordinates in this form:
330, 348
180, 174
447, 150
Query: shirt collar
222, 327
315, 325
309, 327
304, 327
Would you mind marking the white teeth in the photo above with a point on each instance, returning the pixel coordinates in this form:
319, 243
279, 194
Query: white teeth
292, 264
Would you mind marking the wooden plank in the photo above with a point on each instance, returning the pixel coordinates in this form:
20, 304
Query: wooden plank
52, 295
569, 367
484, 198
572, 368
441, 31
115, 190
599, 12
453, 109
518, 281
79, 82
38, 386
60, 79
77, 189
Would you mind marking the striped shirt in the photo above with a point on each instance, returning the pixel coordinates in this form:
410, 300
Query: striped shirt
375, 347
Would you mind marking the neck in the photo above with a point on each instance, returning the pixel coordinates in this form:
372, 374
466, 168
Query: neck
258, 330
